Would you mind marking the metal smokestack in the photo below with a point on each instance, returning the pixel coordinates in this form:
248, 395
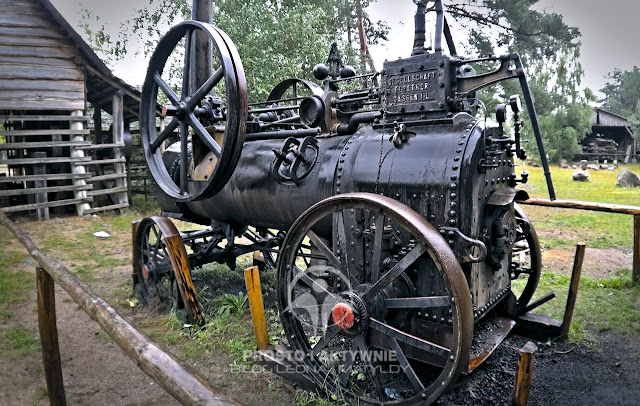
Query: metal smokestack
419, 38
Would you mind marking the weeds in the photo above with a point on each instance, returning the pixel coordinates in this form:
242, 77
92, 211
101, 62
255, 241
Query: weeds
312, 399
232, 304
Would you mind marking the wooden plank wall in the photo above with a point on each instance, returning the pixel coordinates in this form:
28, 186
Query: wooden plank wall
40, 169
37, 68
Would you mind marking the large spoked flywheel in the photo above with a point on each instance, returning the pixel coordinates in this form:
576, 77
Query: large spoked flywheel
374, 302
207, 116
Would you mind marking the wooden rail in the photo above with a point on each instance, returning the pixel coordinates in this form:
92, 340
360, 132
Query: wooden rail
603, 207
180, 381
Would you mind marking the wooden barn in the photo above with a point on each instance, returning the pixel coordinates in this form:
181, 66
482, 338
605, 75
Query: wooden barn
54, 153
610, 138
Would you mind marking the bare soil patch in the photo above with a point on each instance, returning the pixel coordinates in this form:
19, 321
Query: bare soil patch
598, 263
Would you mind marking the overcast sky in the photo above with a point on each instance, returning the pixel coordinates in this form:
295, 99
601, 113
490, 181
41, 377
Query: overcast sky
609, 31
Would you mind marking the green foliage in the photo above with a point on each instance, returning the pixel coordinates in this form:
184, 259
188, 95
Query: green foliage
622, 96
304, 398
232, 304
275, 39
549, 49
513, 24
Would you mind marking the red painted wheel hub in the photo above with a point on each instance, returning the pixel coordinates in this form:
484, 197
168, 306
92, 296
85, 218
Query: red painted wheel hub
145, 272
343, 316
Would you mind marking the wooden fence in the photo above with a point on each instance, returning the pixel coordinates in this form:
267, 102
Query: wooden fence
602, 207
180, 381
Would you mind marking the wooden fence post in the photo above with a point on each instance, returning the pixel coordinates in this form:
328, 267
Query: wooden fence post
49, 337
118, 138
134, 258
636, 248
524, 375
179, 380
573, 291
252, 280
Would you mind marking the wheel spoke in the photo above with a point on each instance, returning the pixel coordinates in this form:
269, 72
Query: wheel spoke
166, 89
342, 247
409, 339
168, 130
335, 262
156, 246
405, 365
348, 364
186, 71
394, 272
377, 248
328, 336
204, 135
183, 158
206, 87
362, 344
341, 237
417, 302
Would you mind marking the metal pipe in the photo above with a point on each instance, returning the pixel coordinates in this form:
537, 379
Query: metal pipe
281, 135
270, 109
356, 120
439, 26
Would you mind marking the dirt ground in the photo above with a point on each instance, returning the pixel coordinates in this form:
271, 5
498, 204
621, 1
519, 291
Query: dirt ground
96, 372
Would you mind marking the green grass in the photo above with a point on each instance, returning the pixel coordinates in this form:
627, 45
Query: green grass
599, 230
18, 342
602, 304
15, 285
601, 186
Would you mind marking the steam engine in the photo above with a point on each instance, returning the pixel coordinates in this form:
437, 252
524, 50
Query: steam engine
392, 206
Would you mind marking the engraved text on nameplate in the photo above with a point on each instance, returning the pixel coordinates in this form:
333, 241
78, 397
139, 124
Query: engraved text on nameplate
413, 87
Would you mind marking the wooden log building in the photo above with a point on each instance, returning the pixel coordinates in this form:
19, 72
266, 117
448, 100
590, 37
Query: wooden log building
610, 138
52, 153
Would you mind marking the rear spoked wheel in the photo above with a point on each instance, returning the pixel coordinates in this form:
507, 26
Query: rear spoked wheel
156, 283
373, 301
161, 273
